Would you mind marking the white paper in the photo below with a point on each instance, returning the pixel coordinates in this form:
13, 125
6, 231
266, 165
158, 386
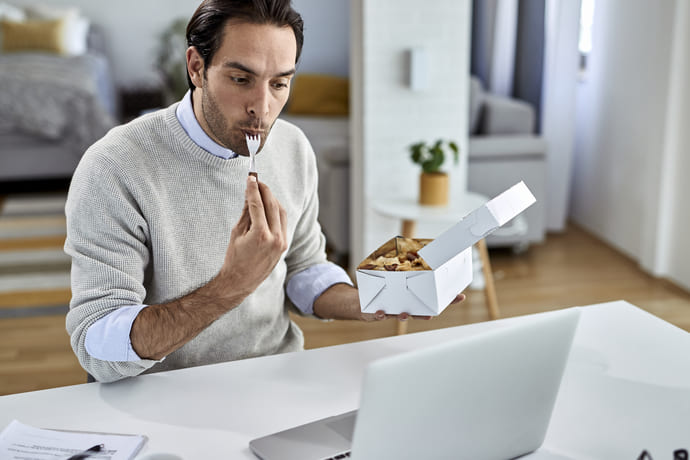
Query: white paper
20, 441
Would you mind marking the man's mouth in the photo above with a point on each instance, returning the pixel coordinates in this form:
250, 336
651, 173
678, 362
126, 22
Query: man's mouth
252, 132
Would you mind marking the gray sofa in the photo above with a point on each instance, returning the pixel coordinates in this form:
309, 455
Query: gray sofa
503, 150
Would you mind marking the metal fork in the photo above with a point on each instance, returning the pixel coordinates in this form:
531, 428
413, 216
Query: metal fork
253, 142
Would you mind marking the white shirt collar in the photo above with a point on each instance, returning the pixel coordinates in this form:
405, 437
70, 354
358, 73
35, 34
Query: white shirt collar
186, 117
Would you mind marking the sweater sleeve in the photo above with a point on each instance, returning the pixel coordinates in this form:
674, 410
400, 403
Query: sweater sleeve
107, 241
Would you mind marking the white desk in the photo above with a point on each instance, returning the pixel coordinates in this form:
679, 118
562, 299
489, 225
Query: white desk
625, 389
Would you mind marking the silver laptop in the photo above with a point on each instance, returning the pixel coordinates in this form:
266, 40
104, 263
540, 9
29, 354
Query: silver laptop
487, 396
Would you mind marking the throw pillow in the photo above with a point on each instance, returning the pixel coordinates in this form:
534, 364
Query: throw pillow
314, 94
76, 36
44, 36
76, 26
10, 13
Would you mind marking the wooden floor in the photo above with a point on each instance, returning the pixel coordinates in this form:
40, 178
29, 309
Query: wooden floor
571, 268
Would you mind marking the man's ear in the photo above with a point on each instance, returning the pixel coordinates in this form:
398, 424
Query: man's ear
195, 66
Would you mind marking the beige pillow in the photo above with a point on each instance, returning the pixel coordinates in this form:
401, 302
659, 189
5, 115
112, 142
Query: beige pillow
315, 94
75, 30
44, 36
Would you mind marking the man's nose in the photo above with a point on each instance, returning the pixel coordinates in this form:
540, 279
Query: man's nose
259, 102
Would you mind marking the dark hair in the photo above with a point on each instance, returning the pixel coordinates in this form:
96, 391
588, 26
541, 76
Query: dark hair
205, 28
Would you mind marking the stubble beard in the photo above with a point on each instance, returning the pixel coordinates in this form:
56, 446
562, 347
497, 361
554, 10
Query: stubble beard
219, 126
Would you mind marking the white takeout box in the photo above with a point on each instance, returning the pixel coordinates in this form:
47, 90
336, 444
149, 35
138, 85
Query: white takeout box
429, 292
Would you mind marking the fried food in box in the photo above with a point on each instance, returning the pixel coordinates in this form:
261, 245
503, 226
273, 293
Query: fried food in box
397, 254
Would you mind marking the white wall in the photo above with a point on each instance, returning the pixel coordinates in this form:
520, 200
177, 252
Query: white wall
387, 116
631, 134
326, 36
671, 256
132, 29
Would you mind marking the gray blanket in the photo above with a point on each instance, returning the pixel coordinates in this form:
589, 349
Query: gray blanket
54, 97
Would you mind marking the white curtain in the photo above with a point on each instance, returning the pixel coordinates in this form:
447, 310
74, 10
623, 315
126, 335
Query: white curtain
502, 68
561, 64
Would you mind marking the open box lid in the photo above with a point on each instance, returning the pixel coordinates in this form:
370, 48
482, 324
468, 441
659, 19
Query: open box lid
477, 224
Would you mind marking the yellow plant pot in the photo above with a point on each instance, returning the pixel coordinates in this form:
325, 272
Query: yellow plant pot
433, 189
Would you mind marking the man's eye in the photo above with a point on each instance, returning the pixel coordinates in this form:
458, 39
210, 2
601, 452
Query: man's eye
239, 80
280, 85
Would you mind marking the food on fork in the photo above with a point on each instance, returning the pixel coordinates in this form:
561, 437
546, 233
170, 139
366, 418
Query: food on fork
398, 254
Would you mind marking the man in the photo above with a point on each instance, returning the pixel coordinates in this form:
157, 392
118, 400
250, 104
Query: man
179, 258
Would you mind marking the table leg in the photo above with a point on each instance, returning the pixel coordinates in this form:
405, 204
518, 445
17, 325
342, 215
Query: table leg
408, 229
489, 288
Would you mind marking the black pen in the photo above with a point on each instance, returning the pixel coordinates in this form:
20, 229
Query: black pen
87, 453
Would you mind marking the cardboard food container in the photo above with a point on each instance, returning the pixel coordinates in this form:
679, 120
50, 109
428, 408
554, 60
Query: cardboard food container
446, 266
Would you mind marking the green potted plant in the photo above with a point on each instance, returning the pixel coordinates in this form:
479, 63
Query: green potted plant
433, 182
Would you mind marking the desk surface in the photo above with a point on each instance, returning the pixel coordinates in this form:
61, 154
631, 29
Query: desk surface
626, 388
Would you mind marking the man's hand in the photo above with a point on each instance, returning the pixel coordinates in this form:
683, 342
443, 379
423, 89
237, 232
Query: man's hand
256, 244
381, 315
342, 302
257, 241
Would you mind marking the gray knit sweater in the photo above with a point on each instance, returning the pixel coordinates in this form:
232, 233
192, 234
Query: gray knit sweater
149, 216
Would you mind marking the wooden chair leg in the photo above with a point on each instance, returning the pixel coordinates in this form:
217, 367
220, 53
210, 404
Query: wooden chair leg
489, 288
408, 228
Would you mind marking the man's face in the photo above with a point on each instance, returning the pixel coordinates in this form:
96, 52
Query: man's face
246, 85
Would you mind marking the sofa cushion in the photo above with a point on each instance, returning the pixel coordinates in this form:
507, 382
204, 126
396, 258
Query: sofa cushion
503, 116
491, 148
314, 94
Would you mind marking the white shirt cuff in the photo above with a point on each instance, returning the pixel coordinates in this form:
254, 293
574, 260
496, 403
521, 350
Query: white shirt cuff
306, 286
108, 338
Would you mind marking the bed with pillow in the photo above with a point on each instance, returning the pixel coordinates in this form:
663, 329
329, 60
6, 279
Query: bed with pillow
319, 105
56, 93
